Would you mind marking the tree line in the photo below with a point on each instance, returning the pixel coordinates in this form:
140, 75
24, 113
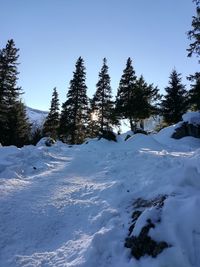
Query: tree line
82, 117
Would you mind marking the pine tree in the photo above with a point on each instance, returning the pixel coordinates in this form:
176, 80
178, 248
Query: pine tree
194, 94
74, 115
12, 110
19, 128
174, 103
64, 123
102, 104
93, 127
52, 121
143, 100
124, 94
194, 34
36, 135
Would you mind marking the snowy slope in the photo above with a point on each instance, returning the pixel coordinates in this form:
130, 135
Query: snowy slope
36, 117
64, 206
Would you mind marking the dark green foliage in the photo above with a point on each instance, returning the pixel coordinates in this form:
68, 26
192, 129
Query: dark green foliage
124, 93
74, 115
102, 104
175, 102
194, 33
143, 100
194, 94
14, 126
51, 124
18, 131
63, 128
93, 127
135, 98
36, 136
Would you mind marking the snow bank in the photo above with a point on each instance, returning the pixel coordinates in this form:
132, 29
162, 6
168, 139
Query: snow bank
65, 206
192, 118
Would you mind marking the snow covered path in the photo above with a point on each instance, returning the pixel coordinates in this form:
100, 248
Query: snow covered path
54, 209
70, 206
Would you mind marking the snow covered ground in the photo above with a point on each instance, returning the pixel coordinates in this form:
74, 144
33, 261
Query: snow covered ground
65, 206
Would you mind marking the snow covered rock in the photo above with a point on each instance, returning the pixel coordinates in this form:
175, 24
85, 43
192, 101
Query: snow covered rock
49, 141
189, 127
46, 141
141, 243
192, 117
108, 135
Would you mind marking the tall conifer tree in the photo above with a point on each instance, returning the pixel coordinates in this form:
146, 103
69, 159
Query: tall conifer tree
194, 48
102, 104
143, 100
124, 94
51, 124
194, 33
194, 94
175, 102
74, 115
14, 126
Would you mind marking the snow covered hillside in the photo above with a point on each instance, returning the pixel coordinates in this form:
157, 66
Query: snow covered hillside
36, 117
70, 206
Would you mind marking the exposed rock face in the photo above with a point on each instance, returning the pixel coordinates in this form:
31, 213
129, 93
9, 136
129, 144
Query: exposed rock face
143, 244
187, 129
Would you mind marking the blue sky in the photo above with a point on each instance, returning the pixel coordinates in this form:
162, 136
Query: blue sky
52, 34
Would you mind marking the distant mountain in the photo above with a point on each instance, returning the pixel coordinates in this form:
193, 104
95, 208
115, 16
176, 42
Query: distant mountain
36, 117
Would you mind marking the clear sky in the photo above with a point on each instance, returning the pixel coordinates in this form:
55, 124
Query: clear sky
52, 34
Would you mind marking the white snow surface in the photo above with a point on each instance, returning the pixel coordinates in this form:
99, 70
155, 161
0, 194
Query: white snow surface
70, 206
192, 117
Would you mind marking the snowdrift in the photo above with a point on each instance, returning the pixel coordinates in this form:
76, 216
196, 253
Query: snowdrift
64, 206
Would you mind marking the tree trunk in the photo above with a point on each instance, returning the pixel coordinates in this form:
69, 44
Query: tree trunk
132, 125
142, 124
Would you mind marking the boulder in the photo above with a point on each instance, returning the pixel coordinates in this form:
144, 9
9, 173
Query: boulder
143, 244
187, 129
49, 141
108, 135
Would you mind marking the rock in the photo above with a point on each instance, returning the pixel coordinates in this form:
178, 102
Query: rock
49, 141
138, 130
127, 137
143, 244
143, 203
109, 135
136, 214
187, 129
